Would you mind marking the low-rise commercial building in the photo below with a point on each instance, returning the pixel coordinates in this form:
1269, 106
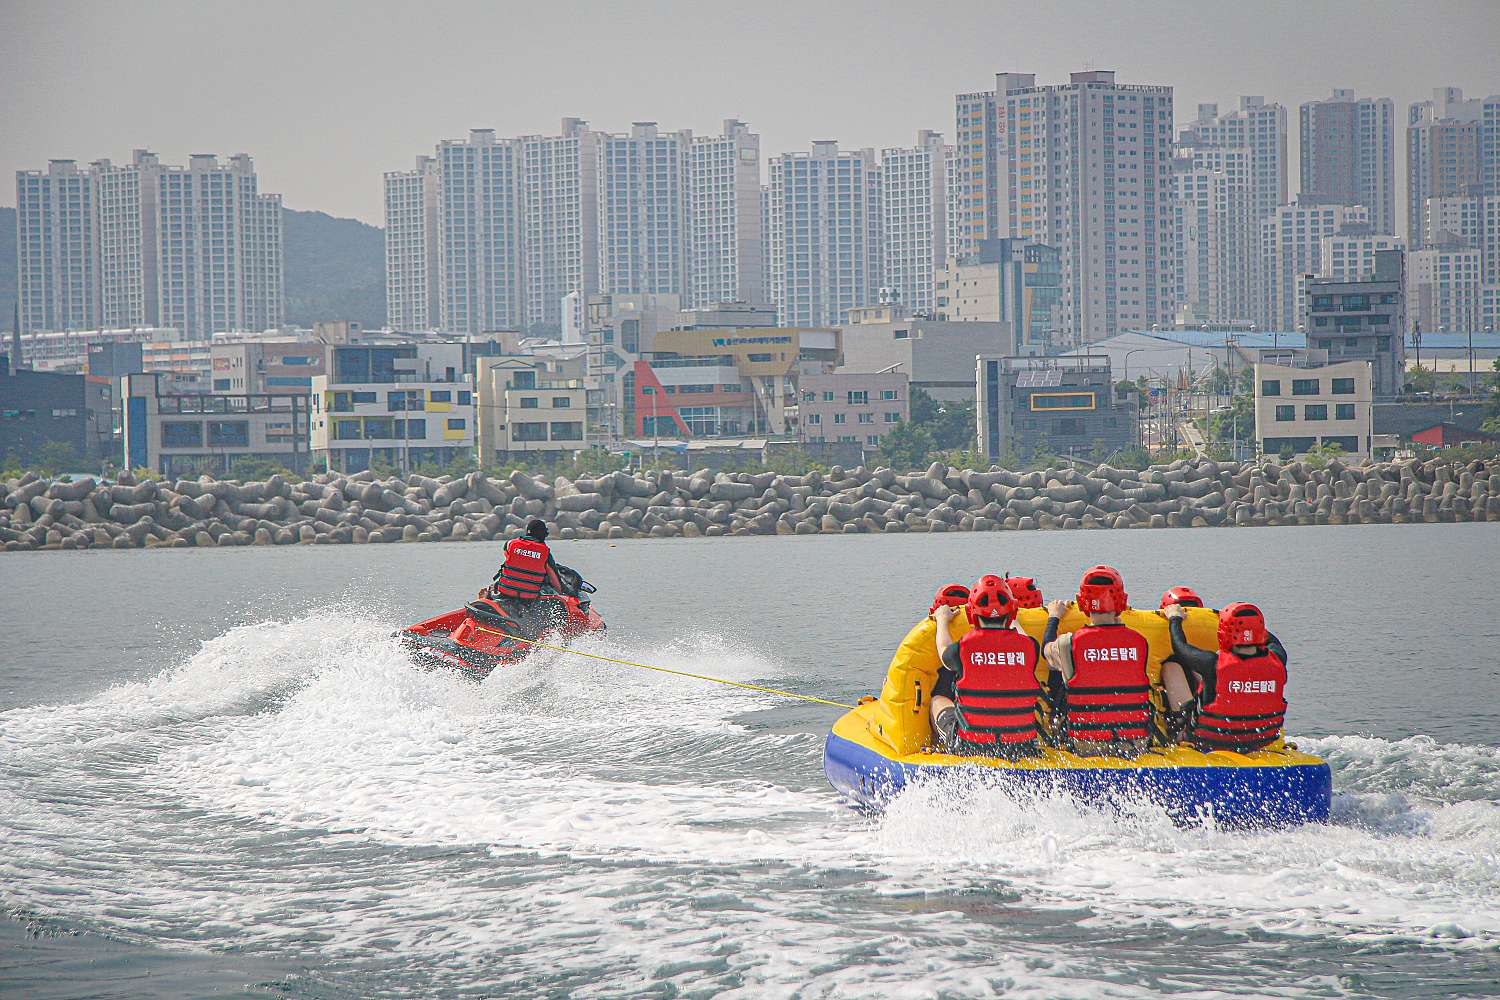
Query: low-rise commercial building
41, 407
67, 351
397, 406
529, 406
1298, 407
725, 382
179, 434
936, 355
279, 367
852, 407
1060, 405
1363, 320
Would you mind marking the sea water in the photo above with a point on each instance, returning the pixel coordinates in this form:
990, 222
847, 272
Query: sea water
218, 773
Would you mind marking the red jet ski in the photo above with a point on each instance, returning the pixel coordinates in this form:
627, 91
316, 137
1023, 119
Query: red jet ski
483, 635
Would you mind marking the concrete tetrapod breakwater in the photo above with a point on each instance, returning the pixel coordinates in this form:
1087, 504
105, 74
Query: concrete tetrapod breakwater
39, 513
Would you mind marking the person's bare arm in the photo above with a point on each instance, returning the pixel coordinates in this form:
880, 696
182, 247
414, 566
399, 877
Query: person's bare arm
944, 615
1058, 652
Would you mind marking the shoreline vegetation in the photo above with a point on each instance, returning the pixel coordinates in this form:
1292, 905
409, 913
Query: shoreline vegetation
38, 513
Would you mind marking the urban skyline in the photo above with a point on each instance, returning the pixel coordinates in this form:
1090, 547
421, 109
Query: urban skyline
308, 128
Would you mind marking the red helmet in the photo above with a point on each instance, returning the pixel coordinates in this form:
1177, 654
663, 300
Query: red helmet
1241, 624
1185, 596
1102, 590
953, 595
991, 599
1024, 590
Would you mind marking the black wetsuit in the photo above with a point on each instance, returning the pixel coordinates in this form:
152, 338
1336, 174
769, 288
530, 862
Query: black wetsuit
1204, 663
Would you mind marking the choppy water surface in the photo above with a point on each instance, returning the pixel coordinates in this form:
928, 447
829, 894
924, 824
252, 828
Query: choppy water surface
218, 774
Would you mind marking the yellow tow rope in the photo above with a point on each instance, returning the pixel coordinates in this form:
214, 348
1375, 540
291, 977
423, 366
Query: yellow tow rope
666, 670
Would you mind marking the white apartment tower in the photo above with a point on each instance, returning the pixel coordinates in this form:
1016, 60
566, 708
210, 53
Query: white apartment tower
1090, 174
1351, 257
220, 260
412, 252
1216, 241
560, 233
914, 206
727, 245
1348, 155
1444, 289
824, 212
197, 248
1292, 249
979, 182
56, 248
643, 207
1260, 129
481, 286
1443, 154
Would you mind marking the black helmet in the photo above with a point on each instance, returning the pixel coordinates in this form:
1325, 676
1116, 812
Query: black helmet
537, 528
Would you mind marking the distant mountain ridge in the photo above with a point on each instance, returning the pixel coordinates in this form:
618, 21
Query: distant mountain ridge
335, 268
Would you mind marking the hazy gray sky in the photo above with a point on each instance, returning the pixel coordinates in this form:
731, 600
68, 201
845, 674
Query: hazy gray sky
328, 96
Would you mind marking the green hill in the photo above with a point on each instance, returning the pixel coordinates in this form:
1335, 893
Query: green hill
335, 269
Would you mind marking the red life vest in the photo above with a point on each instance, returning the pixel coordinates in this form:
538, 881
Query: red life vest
524, 570
1109, 697
1249, 705
996, 690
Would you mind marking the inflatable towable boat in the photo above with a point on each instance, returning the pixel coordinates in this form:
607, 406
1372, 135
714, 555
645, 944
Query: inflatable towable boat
1265, 788
481, 636
884, 744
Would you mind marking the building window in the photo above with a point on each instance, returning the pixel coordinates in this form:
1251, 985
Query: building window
181, 434
840, 418
859, 397
397, 402
1315, 411
888, 394
1304, 387
524, 380
380, 427
902, 335
228, 433
815, 418
561, 402
867, 418
440, 396
457, 423
1343, 411
407, 429
1287, 412
1270, 387
348, 430
465, 397
1343, 387
1062, 401
530, 402
872, 440
221, 385
567, 430
362, 397
827, 397
892, 417
529, 432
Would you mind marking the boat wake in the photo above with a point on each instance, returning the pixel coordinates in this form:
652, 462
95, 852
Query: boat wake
298, 786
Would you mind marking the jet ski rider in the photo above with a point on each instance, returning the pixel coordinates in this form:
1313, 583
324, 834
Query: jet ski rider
528, 566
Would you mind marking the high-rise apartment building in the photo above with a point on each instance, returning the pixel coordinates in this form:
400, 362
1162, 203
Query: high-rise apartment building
560, 199
979, 182
219, 262
412, 251
644, 197
1351, 257
1292, 249
1260, 129
197, 248
1215, 238
478, 242
1090, 174
914, 208
56, 248
1444, 289
1348, 155
1443, 154
727, 245
824, 212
